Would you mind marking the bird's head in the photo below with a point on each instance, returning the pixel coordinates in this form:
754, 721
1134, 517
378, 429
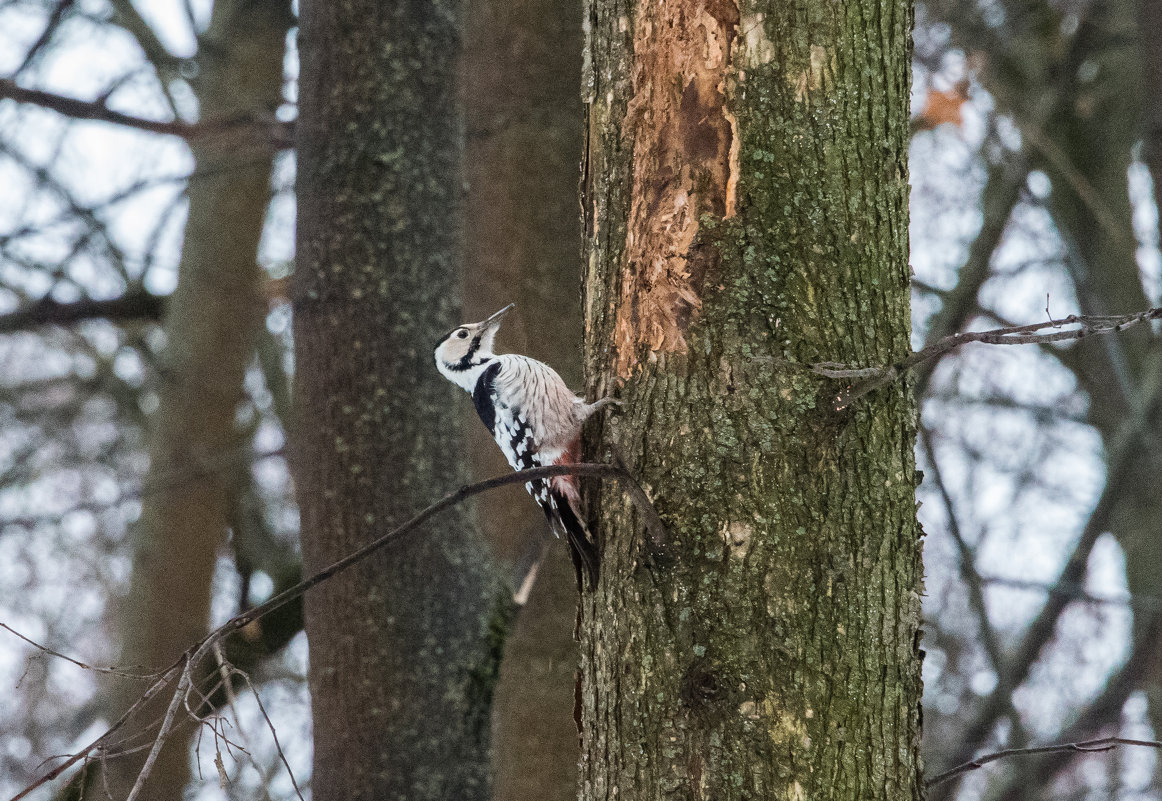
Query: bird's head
465, 349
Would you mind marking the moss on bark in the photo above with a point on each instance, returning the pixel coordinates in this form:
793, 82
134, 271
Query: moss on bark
770, 648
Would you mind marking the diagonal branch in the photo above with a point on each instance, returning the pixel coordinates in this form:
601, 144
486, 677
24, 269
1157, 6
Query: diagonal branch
193, 655
972, 579
1086, 747
63, 7
129, 674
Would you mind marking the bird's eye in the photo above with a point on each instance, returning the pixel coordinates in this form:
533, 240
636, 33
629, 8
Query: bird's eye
462, 334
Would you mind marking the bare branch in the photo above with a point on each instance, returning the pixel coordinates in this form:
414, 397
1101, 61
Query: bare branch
100, 741
1086, 747
273, 733
111, 670
193, 655
134, 305
126, 15
163, 733
1078, 327
88, 110
50, 29
280, 133
967, 561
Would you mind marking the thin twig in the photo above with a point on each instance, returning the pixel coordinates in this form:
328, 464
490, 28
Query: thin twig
192, 657
227, 671
111, 670
163, 733
100, 741
273, 734
1076, 327
1085, 747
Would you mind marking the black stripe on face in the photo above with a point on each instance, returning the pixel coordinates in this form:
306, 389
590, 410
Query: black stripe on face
449, 335
466, 361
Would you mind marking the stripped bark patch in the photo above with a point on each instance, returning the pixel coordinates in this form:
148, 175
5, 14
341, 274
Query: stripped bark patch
817, 73
683, 141
755, 49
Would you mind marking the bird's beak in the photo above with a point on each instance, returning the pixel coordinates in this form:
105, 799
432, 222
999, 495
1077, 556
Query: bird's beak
494, 320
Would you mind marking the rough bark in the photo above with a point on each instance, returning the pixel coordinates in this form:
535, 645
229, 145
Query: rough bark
211, 321
404, 650
745, 207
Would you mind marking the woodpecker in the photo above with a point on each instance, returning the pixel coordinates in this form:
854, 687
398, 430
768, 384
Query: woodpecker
534, 417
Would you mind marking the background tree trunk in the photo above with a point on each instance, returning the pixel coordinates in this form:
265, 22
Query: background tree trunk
745, 217
522, 65
404, 651
211, 322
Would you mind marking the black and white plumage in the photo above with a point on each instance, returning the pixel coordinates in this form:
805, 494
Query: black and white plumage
534, 417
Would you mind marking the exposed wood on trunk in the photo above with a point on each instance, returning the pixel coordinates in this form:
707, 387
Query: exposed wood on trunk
770, 649
684, 166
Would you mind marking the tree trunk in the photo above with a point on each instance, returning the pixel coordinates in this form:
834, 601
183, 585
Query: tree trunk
404, 649
745, 202
522, 64
211, 322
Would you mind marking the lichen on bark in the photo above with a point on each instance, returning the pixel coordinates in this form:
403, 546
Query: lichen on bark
769, 649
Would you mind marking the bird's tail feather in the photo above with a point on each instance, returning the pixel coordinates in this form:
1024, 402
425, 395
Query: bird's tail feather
582, 549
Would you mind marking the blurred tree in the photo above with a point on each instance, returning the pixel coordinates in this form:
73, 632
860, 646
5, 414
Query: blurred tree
1069, 80
211, 324
1035, 169
521, 72
745, 201
405, 650
199, 483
